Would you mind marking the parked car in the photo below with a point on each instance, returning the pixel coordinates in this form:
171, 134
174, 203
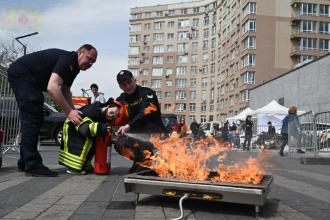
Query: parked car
51, 127
53, 124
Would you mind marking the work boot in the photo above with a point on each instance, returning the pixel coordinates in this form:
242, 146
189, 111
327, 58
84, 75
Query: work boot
76, 172
281, 153
41, 171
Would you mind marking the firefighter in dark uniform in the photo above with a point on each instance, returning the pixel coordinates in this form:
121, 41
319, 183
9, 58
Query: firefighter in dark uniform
248, 126
78, 146
54, 71
144, 120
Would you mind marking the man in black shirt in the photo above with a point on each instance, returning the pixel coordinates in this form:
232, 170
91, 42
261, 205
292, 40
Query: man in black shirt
54, 71
144, 119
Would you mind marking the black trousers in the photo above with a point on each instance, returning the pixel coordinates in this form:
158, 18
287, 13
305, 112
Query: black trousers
284, 141
30, 101
248, 137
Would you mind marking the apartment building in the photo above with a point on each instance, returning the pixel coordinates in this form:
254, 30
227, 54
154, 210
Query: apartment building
203, 57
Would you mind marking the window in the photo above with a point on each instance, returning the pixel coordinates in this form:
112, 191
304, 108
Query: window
195, 9
324, 27
205, 57
194, 58
213, 43
169, 72
146, 49
182, 59
157, 60
204, 82
250, 42
203, 118
308, 9
183, 35
192, 95
158, 37
183, 23
195, 22
180, 83
144, 83
324, 10
213, 55
181, 71
192, 107
324, 45
168, 107
168, 95
171, 24
171, 12
135, 38
145, 72
249, 60
135, 27
159, 13
205, 44
180, 95
183, 47
170, 48
168, 83
159, 25
248, 77
194, 46
203, 95
147, 14
213, 68
156, 83
137, 16
159, 94
245, 96
203, 107
146, 38
180, 107
159, 48
250, 8
249, 26
308, 26
170, 36
147, 26
134, 50
206, 20
193, 83
305, 59
157, 71
206, 33
133, 61
194, 34
184, 11
134, 71
205, 68
169, 59
193, 70
308, 43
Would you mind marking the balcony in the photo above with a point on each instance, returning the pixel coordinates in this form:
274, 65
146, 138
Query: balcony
298, 51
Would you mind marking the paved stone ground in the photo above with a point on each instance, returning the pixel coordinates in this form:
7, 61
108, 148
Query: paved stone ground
298, 192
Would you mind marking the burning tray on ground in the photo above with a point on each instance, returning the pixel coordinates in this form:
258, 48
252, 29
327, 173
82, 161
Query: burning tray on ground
148, 182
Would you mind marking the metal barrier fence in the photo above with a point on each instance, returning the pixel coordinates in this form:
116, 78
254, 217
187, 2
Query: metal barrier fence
309, 132
322, 131
9, 120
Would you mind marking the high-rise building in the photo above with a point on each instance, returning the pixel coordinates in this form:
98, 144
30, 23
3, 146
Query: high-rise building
202, 57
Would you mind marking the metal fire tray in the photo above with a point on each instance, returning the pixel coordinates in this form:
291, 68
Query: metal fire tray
148, 182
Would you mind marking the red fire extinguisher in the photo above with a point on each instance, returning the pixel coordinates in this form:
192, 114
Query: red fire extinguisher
1, 139
102, 163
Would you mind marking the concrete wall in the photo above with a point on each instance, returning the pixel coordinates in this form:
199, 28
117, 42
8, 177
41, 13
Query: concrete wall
307, 87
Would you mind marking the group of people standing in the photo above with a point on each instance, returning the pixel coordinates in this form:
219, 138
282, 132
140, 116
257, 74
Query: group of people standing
136, 110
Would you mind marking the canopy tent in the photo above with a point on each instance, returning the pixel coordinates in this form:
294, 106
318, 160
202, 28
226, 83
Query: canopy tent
241, 116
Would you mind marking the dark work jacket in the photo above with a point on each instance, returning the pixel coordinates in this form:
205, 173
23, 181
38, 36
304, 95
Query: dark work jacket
144, 111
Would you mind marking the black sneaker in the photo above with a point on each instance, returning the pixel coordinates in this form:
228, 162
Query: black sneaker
299, 151
41, 171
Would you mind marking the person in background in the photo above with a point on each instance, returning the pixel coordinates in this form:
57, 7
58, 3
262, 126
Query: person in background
248, 126
51, 70
194, 127
285, 124
271, 130
144, 120
97, 96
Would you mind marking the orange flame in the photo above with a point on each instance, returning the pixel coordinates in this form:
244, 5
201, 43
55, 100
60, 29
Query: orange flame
151, 108
179, 158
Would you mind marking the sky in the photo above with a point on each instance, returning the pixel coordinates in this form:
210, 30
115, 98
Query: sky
68, 24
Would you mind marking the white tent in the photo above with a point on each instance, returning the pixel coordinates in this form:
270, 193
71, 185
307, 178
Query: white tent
241, 116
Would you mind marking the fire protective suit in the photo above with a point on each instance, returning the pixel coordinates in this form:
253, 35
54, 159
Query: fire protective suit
78, 144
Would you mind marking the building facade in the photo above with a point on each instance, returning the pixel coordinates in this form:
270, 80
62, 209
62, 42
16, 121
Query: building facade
306, 87
203, 57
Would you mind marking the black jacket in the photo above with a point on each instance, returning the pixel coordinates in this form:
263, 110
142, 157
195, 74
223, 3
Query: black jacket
144, 111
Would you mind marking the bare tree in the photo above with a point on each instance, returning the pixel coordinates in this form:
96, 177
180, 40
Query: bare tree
8, 54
